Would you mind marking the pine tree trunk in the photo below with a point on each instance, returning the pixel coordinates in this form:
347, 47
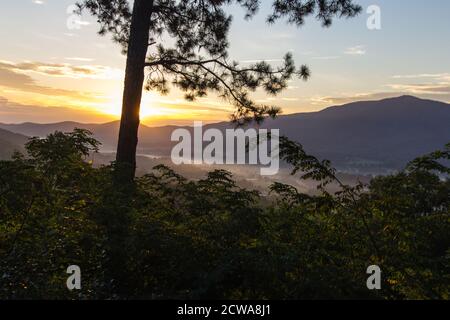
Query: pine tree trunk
134, 80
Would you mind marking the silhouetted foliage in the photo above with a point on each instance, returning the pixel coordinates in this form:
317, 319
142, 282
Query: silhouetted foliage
170, 237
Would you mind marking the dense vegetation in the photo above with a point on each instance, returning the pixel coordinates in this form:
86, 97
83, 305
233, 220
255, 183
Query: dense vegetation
167, 237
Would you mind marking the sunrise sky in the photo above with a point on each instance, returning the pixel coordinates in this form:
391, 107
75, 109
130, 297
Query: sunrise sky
50, 72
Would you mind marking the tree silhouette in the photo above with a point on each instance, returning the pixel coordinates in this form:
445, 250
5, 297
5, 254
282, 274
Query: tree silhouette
198, 62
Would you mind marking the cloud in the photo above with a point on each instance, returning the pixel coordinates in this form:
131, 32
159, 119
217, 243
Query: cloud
344, 99
328, 100
356, 51
434, 76
430, 89
79, 59
11, 112
64, 70
431, 84
202, 104
10, 78
40, 2
434, 86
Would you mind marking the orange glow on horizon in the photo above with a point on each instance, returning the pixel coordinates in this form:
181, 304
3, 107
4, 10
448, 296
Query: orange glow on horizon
98, 107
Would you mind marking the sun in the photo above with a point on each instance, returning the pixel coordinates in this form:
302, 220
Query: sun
149, 106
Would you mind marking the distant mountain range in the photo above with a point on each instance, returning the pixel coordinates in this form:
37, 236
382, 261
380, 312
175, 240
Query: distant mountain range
366, 137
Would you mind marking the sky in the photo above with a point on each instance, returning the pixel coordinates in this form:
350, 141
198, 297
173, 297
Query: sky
51, 71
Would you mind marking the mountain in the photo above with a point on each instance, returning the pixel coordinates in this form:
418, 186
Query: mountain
366, 137
378, 134
107, 133
10, 142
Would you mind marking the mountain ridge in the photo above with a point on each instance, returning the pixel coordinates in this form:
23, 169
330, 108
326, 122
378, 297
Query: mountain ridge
383, 134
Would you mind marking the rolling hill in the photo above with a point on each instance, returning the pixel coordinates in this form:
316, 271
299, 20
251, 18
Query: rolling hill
10, 142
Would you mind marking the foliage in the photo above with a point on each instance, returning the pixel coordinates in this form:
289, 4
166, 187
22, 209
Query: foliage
169, 237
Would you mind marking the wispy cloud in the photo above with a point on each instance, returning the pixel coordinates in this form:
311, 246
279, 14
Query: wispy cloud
423, 83
64, 69
424, 88
441, 94
40, 2
11, 78
348, 98
79, 59
359, 50
437, 76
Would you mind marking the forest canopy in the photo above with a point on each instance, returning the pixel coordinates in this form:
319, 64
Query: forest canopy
173, 238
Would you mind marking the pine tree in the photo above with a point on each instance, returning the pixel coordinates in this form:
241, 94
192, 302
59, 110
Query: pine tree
198, 62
